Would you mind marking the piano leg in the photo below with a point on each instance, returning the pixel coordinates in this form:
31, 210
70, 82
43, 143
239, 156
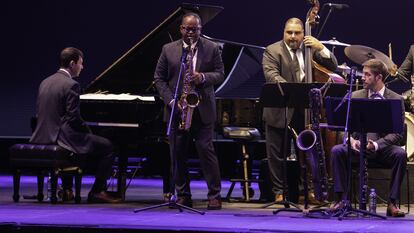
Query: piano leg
122, 167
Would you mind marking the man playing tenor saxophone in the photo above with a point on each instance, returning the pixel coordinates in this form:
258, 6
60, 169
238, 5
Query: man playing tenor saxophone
201, 67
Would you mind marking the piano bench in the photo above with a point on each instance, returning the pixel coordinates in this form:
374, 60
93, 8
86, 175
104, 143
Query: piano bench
243, 135
42, 159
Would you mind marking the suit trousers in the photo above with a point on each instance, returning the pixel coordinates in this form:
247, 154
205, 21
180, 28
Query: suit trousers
274, 151
180, 143
393, 156
100, 156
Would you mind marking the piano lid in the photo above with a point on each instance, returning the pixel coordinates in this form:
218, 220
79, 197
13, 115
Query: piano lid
243, 67
133, 72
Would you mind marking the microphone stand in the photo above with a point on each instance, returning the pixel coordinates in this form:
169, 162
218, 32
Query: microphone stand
324, 22
182, 65
172, 204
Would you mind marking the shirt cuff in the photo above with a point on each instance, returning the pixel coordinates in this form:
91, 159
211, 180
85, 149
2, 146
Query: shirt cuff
375, 145
325, 53
203, 78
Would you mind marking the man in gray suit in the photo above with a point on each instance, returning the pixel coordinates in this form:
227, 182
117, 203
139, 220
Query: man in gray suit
407, 67
283, 61
383, 148
207, 71
59, 122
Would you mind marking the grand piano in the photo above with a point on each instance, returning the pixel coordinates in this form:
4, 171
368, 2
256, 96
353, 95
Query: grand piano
123, 105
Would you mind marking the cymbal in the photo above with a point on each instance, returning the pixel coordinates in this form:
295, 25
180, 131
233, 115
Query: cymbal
360, 54
334, 42
343, 67
347, 70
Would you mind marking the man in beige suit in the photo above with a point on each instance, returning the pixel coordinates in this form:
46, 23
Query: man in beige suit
283, 61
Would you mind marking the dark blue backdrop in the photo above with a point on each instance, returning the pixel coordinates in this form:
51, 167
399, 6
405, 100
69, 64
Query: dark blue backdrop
33, 33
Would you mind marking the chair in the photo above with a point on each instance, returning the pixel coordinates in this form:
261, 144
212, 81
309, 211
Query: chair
43, 159
243, 135
372, 164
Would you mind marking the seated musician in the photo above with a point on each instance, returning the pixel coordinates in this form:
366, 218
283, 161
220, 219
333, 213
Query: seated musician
283, 61
59, 122
383, 148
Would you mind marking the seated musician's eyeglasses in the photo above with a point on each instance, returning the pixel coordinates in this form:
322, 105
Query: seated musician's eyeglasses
190, 29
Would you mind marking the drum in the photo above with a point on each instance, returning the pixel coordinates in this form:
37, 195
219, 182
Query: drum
409, 121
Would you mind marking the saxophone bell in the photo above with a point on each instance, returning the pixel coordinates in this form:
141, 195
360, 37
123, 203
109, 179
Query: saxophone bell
192, 99
306, 140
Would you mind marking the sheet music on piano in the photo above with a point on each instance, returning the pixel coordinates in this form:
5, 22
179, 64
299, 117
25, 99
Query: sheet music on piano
120, 97
114, 110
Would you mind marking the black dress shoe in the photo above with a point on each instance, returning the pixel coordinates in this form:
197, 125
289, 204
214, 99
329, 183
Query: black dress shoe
166, 197
393, 211
186, 201
214, 204
102, 197
66, 195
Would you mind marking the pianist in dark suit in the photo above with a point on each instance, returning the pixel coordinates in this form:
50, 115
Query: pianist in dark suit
383, 148
208, 70
59, 122
283, 61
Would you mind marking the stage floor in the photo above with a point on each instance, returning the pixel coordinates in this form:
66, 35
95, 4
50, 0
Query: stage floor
234, 217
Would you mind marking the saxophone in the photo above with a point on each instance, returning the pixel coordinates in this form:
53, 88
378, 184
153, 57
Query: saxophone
189, 98
310, 142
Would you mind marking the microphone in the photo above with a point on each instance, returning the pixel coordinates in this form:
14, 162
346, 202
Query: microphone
338, 6
184, 53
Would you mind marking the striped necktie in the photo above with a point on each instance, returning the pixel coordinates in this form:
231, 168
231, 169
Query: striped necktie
376, 95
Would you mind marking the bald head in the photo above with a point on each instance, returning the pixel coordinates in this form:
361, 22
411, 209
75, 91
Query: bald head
293, 33
294, 21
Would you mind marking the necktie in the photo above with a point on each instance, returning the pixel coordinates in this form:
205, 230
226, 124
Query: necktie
189, 68
376, 95
189, 60
296, 66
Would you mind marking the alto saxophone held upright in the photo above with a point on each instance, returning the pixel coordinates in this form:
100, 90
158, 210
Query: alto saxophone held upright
189, 98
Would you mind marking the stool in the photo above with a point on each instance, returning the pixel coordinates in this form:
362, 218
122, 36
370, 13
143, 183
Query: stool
243, 135
41, 159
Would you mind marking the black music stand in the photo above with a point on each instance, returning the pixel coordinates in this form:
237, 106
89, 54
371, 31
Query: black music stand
293, 95
363, 119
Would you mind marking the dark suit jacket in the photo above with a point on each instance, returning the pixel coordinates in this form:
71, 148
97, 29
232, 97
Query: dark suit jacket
384, 139
278, 67
407, 67
58, 115
208, 62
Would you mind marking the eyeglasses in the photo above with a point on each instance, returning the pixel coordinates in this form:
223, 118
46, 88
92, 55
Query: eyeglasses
190, 29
